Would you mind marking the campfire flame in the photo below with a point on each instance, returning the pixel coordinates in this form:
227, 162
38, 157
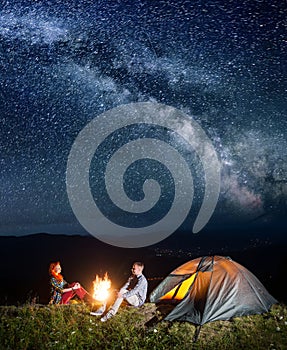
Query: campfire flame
101, 288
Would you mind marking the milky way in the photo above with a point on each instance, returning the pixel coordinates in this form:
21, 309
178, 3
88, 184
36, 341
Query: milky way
61, 66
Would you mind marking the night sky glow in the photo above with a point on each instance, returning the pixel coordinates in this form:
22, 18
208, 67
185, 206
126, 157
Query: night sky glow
64, 63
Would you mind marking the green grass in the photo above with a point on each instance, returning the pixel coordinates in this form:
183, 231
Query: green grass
71, 327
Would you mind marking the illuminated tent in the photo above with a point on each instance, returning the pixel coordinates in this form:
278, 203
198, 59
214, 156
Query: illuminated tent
212, 288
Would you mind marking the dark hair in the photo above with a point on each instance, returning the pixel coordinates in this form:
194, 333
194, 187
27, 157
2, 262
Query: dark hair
139, 263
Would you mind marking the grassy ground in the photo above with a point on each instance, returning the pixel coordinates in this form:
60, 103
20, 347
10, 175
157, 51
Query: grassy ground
72, 327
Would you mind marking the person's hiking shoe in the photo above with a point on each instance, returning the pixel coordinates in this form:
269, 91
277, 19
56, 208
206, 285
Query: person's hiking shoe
99, 312
107, 316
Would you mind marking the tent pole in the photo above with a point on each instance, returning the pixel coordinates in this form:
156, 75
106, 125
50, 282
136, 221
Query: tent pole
196, 333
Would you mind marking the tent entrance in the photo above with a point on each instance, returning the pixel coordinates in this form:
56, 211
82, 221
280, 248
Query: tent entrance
180, 290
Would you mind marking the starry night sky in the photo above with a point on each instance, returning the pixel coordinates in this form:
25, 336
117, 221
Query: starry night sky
62, 63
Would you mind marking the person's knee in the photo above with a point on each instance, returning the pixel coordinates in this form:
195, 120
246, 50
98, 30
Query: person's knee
133, 301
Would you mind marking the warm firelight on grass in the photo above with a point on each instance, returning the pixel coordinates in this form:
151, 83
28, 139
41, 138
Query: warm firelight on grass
101, 288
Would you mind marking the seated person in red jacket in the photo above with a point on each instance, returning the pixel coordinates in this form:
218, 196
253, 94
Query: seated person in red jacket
61, 291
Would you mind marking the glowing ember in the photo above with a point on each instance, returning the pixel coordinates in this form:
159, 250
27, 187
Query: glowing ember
101, 287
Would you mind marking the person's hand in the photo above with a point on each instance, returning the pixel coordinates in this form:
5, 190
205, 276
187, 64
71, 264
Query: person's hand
77, 286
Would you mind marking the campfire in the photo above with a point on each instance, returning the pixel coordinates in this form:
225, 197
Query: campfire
101, 288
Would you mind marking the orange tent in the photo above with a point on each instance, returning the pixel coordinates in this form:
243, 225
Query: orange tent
212, 288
